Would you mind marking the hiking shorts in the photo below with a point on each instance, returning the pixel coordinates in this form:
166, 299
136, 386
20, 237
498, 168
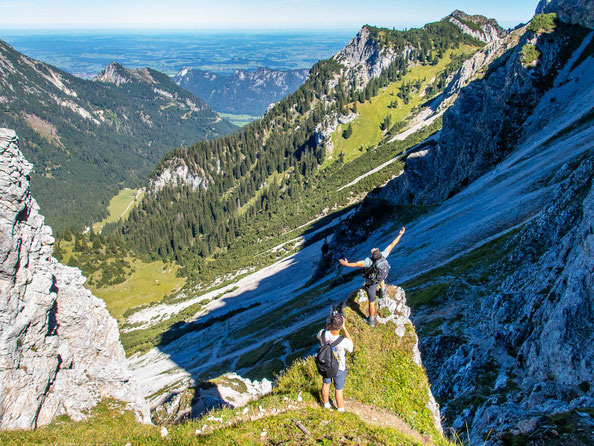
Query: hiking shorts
338, 380
371, 291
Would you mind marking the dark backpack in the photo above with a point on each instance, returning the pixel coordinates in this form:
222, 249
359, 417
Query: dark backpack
326, 360
377, 272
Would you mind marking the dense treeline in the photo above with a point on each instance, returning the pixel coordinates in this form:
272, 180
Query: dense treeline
266, 180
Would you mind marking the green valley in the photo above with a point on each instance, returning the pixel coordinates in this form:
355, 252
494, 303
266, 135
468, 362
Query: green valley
120, 207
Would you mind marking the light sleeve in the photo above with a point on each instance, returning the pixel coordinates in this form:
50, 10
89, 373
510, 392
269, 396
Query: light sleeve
367, 263
386, 252
348, 345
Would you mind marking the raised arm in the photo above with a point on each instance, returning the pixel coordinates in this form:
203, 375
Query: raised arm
390, 247
345, 262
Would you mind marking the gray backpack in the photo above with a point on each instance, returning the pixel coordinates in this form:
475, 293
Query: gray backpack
377, 272
326, 360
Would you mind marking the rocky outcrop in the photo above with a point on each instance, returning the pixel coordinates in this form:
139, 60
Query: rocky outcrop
364, 59
478, 26
59, 347
228, 390
576, 12
177, 175
393, 309
117, 74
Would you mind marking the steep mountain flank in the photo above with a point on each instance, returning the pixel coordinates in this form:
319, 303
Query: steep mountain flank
487, 120
59, 348
499, 266
248, 92
89, 139
576, 12
264, 181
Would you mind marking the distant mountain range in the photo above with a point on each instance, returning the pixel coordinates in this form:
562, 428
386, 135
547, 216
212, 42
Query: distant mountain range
243, 92
87, 139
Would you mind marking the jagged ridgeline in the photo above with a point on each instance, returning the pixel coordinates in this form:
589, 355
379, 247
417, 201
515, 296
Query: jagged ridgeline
282, 171
88, 139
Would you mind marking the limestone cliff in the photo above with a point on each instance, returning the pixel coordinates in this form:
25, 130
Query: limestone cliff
59, 347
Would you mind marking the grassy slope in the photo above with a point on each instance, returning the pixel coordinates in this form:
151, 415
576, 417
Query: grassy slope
145, 283
150, 282
110, 425
239, 120
119, 207
366, 127
381, 373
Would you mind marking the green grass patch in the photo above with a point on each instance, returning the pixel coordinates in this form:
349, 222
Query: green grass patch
381, 372
108, 420
239, 120
266, 351
529, 54
281, 316
325, 427
120, 206
543, 23
479, 260
148, 283
426, 296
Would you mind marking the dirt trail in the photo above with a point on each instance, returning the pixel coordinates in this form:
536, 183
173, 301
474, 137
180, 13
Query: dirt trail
368, 413
380, 417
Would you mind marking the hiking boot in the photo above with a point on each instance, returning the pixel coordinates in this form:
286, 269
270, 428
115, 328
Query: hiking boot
370, 322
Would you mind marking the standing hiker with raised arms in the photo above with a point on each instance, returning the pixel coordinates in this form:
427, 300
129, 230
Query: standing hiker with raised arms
376, 271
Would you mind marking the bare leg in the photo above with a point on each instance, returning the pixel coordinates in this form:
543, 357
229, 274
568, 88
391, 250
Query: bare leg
325, 393
339, 398
371, 310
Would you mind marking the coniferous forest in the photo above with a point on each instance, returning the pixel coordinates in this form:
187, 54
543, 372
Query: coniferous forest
273, 175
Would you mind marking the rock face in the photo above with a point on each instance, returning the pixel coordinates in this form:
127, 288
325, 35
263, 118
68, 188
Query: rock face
577, 12
179, 175
479, 27
59, 347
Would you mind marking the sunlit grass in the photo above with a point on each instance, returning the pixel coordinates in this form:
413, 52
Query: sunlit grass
120, 206
149, 282
366, 127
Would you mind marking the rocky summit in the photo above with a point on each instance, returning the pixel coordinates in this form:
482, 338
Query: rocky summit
59, 348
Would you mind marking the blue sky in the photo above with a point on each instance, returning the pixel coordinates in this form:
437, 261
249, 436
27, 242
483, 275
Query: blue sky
249, 14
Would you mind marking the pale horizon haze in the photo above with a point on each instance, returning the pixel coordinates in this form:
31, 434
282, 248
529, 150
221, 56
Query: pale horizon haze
232, 15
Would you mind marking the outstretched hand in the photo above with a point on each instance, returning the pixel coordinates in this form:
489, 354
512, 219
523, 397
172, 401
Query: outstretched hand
343, 262
402, 231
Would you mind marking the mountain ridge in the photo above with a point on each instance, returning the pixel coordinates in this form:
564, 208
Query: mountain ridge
89, 139
243, 92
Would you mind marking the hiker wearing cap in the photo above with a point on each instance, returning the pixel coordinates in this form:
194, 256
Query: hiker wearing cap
330, 337
376, 270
